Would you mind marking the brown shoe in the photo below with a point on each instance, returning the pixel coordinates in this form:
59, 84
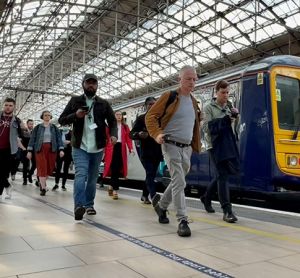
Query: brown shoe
115, 195
110, 190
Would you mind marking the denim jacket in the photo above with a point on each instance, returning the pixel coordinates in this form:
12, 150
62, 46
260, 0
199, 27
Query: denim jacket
14, 133
37, 137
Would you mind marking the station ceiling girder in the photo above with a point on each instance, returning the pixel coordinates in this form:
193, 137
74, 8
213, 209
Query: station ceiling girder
135, 47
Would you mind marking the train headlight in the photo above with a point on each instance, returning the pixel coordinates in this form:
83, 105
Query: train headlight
293, 160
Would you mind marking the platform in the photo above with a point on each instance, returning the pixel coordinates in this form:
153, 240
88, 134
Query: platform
40, 239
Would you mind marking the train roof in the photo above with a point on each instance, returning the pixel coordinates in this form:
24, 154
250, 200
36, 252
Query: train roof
260, 65
228, 74
268, 63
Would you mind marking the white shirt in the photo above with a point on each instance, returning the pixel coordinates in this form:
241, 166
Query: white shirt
119, 133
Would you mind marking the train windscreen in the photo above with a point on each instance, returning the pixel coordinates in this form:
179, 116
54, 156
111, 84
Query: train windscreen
288, 102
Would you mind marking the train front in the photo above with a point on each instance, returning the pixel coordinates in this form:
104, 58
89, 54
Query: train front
285, 105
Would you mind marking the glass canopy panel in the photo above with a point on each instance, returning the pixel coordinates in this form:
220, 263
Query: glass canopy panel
187, 31
293, 21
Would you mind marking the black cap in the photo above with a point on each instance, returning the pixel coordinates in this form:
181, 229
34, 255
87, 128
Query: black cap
90, 76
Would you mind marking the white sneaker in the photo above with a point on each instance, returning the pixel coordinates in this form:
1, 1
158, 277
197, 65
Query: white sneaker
8, 191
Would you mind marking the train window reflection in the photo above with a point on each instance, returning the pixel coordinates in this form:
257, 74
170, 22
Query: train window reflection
288, 102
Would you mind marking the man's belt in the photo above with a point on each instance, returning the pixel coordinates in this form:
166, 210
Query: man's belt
180, 145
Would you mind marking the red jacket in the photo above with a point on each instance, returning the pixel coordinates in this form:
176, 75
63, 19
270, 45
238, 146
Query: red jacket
110, 148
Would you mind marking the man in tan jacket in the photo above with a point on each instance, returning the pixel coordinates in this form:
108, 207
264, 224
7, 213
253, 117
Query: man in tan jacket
176, 127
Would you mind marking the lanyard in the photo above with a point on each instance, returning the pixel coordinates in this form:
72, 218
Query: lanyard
89, 111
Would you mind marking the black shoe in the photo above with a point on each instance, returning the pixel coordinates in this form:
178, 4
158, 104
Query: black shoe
229, 217
145, 200
30, 179
63, 188
207, 205
184, 229
43, 192
37, 183
91, 211
155, 199
79, 212
55, 187
162, 215
24, 182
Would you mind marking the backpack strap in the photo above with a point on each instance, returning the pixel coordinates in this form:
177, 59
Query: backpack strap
172, 97
19, 129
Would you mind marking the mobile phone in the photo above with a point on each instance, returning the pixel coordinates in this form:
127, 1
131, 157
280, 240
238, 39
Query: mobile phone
84, 108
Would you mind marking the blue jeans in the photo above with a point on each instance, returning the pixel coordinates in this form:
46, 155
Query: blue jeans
86, 174
151, 169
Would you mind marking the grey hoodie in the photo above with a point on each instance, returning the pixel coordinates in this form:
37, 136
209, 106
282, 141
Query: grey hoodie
213, 111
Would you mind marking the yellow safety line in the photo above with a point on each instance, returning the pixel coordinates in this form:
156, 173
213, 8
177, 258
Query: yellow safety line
238, 227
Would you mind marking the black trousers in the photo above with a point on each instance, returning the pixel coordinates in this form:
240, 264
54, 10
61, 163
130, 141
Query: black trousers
15, 162
151, 169
66, 160
116, 166
26, 165
6, 160
219, 183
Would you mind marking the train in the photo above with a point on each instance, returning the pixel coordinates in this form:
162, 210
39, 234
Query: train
267, 94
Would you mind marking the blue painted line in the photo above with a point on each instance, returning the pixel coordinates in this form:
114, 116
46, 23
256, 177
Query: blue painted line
169, 255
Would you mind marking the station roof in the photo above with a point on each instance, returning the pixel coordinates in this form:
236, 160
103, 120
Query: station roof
134, 46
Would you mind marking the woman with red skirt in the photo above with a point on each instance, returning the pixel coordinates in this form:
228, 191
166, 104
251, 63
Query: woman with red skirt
45, 142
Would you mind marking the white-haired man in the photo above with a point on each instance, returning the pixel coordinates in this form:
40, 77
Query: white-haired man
174, 122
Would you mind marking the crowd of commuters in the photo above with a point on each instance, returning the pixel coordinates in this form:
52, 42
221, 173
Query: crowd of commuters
91, 131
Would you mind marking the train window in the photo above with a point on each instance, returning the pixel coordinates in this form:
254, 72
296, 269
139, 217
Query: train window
288, 102
234, 93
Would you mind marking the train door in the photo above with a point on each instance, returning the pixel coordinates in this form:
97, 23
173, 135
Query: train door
234, 97
254, 133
